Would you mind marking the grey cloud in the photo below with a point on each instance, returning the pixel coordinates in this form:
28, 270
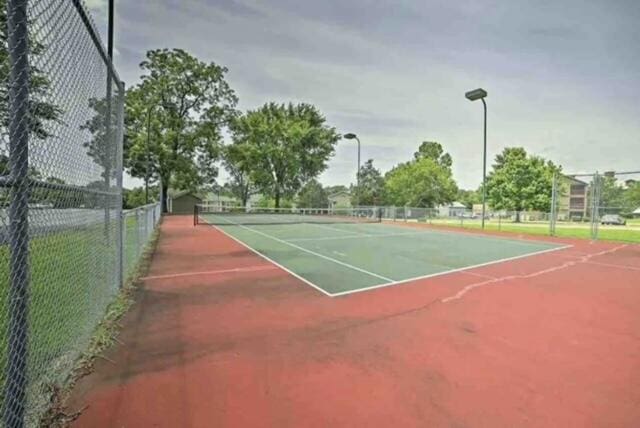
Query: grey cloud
558, 73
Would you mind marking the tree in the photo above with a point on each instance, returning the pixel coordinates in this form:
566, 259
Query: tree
312, 195
370, 188
102, 147
434, 151
611, 192
41, 112
269, 202
287, 146
632, 197
136, 197
520, 182
193, 102
237, 162
421, 183
469, 197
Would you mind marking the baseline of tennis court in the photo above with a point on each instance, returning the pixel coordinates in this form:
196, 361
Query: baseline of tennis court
343, 258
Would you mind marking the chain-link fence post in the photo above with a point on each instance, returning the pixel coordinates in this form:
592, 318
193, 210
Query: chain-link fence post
595, 209
593, 206
554, 205
146, 223
16, 369
136, 211
119, 161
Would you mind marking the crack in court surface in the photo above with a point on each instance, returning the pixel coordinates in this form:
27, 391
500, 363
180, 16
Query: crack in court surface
212, 272
581, 259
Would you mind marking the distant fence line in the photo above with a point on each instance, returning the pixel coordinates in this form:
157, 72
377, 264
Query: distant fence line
576, 203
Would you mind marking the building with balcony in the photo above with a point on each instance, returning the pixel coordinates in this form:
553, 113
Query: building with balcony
573, 198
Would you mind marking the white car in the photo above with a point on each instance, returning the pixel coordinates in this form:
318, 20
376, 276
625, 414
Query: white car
614, 219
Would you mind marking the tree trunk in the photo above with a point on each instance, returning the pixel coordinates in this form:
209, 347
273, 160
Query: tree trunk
518, 216
277, 197
165, 187
245, 196
245, 199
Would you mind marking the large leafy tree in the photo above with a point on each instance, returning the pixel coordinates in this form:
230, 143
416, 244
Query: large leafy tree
143, 129
421, 183
370, 188
102, 146
520, 182
288, 145
191, 102
433, 150
611, 192
312, 195
237, 162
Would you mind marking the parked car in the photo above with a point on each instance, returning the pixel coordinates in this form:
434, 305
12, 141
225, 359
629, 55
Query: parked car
614, 219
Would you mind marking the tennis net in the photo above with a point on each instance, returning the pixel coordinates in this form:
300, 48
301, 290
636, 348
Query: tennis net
221, 215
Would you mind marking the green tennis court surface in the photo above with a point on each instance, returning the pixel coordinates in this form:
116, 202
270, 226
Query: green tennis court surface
345, 257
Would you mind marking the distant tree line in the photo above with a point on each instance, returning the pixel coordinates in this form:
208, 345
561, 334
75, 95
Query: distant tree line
177, 115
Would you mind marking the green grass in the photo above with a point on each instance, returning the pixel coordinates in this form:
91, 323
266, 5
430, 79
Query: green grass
633, 222
582, 231
73, 279
104, 335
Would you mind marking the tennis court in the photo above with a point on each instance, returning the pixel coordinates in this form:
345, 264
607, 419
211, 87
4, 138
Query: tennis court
346, 251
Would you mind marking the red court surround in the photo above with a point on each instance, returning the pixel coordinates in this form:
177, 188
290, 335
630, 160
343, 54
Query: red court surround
548, 340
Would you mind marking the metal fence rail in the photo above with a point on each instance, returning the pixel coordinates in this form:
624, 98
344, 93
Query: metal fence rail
139, 224
65, 244
586, 205
593, 225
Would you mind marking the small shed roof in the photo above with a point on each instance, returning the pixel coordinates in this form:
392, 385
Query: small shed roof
182, 193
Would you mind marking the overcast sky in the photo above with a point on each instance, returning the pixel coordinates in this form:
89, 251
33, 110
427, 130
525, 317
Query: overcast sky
563, 76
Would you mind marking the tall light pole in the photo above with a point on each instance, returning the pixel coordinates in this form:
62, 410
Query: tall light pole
351, 136
480, 94
146, 173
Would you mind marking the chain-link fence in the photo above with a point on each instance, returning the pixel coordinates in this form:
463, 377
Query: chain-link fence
139, 225
62, 240
591, 206
607, 203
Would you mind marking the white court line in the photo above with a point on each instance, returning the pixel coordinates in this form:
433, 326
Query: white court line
210, 272
387, 284
290, 272
335, 229
378, 235
390, 281
306, 250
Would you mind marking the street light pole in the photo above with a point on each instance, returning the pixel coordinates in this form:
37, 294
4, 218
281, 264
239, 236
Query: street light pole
146, 173
351, 136
484, 165
480, 94
358, 173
